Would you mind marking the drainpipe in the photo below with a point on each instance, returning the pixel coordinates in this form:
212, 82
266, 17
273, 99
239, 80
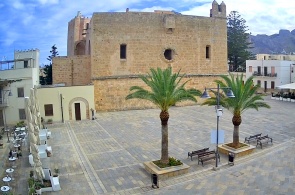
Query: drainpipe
62, 110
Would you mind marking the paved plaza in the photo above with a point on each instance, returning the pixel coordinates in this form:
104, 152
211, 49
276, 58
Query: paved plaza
106, 155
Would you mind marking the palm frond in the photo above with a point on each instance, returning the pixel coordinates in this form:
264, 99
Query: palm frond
164, 89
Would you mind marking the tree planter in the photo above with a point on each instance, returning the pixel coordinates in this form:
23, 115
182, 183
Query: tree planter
165, 173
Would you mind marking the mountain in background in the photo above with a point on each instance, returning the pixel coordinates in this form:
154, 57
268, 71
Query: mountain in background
282, 43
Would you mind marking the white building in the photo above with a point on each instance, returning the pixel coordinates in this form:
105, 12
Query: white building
271, 71
17, 77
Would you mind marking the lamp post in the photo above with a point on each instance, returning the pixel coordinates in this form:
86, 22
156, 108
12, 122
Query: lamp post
4, 114
229, 94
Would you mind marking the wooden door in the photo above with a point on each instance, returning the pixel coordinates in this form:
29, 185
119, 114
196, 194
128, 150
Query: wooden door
77, 111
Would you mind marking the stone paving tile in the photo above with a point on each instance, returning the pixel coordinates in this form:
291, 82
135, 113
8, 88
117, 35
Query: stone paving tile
92, 136
106, 145
115, 145
111, 159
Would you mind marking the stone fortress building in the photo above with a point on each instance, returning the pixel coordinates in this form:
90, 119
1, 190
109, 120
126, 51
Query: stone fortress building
110, 50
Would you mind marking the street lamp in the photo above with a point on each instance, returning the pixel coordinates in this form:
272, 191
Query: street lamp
229, 94
4, 114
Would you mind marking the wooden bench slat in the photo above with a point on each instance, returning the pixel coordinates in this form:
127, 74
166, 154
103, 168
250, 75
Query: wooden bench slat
252, 137
207, 156
195, 153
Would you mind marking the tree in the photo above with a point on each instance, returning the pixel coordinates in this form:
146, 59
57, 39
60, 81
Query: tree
47, 80
165, 91
245, 98
238, 44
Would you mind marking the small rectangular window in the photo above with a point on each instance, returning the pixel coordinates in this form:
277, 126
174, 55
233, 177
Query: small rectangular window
259, 82
26, 64
20, 92
207, 52
123, 48
48, 109
272, 84
250, 68
22, 114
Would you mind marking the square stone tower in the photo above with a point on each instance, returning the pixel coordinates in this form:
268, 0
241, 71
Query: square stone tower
122, 46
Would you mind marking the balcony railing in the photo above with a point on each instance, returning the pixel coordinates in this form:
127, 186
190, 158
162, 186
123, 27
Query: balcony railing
255, 73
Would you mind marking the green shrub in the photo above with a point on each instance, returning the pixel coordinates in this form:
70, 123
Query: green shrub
20, 124
172, 162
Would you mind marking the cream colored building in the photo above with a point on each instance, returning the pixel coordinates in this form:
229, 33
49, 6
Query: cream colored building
58, 103
66, 103
17, 76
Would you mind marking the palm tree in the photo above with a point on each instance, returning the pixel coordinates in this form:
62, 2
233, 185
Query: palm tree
245, 98
165, 91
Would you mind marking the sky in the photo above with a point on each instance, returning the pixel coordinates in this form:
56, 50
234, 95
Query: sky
31, 24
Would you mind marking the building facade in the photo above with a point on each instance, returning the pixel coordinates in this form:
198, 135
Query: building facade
111, 50
17, 77
271, 71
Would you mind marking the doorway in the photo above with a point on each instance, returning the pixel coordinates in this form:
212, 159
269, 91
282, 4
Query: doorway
77, 111
265, 86
1, 118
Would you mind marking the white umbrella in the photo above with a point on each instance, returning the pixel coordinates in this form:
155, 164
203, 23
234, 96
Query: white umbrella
34, 115
287, 86
32, 99
39, 172
27, 110
37, 163
32, 129
37, 108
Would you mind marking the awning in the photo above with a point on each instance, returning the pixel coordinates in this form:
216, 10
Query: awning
287, 86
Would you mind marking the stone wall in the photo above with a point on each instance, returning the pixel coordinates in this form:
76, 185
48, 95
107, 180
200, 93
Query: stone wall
112, 97
195, 45
71, 71
148, 35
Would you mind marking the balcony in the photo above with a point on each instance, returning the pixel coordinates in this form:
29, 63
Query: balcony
255, 73
3, 102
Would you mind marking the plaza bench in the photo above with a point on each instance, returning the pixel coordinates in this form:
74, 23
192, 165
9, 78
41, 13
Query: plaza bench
252, 138
205, 156
195, 153
263, 140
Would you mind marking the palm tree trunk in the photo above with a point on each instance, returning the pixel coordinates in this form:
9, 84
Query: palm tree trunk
164, 116
236, 136
164, 153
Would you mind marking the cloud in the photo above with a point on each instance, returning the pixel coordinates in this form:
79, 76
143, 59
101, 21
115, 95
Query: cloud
17, 5
11, 38
43, 2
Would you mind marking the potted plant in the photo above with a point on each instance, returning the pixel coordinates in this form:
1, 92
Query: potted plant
31, 184
56, 171
49, 121
38, 186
